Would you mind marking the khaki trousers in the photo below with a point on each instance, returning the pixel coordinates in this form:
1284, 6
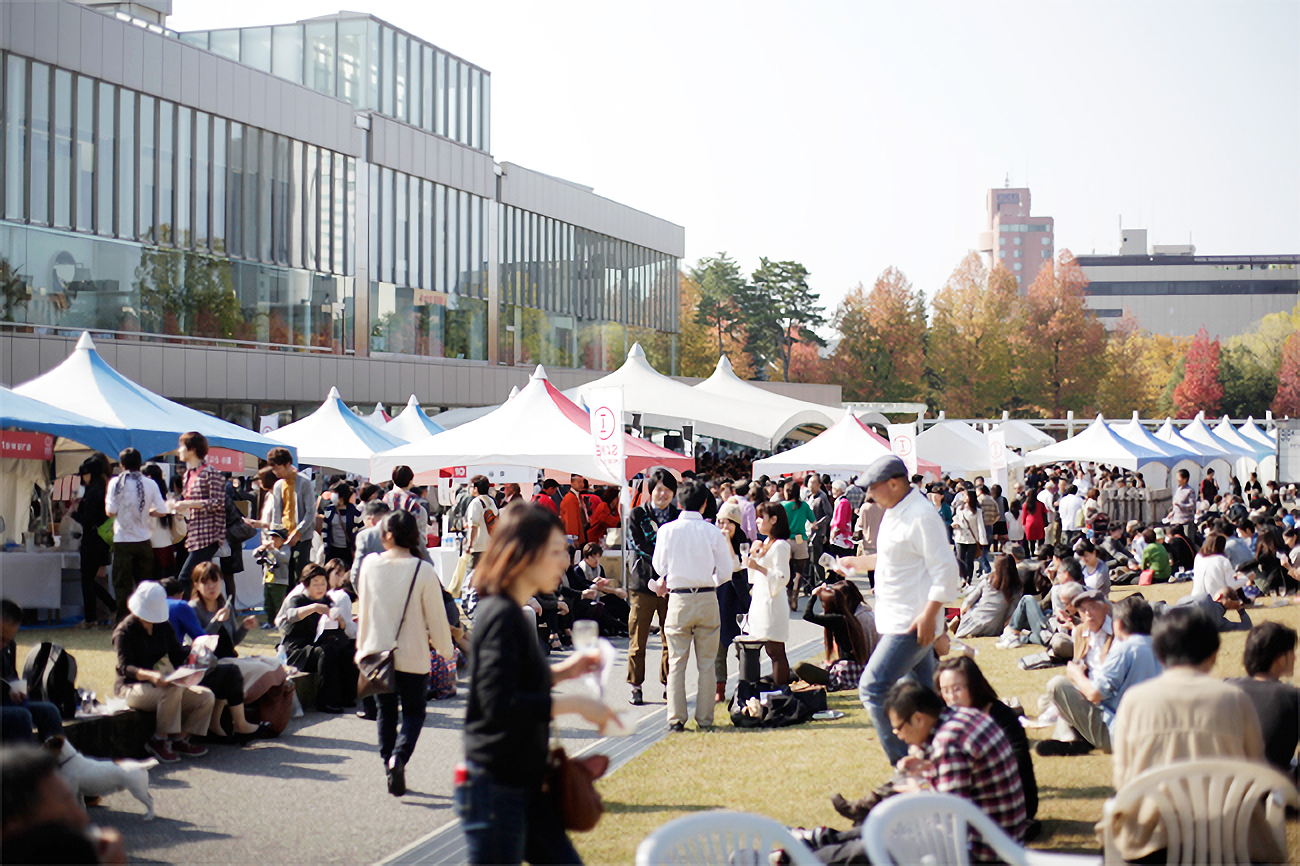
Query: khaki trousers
1079, 712
645, 607
180, 709
694, 624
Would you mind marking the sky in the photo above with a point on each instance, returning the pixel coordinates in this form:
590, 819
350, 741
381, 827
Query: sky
851, 136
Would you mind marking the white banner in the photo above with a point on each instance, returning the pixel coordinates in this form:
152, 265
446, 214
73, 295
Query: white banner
267, 423
902, 441
607, 429
998, 458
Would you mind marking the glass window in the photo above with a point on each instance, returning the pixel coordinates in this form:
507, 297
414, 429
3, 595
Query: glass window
264, 225
339, 206
462, 230
453, 98
426, 90
201, 167
320, 56
281, 193
486, 120
462, 99
126, 155
84, 218
218, 198
399, 75
293, 192
440, 238
1046, 254
1017, 253
286, 56
62, 149
106, 109
166, 172
388, 39
440, 93
1047, 240
473, 138
372, 221
372, 63
351, 60
184, 131
39, 178
350, 222
147, 177
252, 166
1018, 240
235, 190
225, 43
325, 200
311, 210
1016, 266
1002, 240
426, 234
475, 261
15, 117
401, 231
255, 47
415, 84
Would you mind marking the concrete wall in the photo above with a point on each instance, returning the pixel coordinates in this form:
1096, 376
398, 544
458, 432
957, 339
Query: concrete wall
1183, 315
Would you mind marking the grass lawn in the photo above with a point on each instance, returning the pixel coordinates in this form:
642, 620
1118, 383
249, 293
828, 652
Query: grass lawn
789, 774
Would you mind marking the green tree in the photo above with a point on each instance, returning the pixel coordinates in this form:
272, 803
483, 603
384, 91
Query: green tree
881, 352
1123, 389
720, 284
779, 311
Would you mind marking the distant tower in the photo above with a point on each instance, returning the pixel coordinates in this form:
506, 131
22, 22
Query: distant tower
1019, 242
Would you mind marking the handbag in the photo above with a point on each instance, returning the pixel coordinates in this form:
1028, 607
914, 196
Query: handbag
105, 530
571, 783
376, 674
1147, 577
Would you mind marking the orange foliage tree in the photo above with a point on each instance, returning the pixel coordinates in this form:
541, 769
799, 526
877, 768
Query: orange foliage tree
1061, 349
976, 313
881, 352
1287, 401
1200, 389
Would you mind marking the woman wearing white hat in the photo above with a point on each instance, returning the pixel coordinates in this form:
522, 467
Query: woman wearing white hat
148, 650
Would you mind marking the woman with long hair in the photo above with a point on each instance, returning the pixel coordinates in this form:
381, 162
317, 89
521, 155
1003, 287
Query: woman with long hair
847, 651
1266, 570
1033, 514
95, 552
769, 575
160, 528
985, 610
968, 532
733, 596
226, 681
400, 609
506, 815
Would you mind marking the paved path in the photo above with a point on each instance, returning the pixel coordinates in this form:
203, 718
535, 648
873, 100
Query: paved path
251, 804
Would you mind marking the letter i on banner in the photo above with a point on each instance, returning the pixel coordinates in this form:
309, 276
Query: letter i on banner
607, 430
998, 458
902, 441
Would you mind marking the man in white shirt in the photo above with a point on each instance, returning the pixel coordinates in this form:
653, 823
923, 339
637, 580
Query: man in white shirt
916, 573
132, 499
476, 517
692, 559
1071, 510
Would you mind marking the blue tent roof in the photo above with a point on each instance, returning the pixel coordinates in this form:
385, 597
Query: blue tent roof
27, 413
85, 384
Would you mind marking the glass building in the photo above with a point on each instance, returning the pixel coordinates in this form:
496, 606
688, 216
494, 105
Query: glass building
324, 187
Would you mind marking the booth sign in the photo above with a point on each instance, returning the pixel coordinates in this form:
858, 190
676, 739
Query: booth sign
26, 446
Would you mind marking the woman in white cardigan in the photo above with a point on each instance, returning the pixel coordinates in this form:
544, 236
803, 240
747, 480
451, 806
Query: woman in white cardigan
400, 605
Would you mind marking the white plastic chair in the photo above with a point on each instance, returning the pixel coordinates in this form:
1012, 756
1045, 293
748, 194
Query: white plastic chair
721, 839
933, 829
1206, 808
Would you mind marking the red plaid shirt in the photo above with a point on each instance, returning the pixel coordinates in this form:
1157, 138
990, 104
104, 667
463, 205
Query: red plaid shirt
972, 758
207, 522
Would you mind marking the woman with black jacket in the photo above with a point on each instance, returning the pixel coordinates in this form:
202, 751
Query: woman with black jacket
505, 814
95, 552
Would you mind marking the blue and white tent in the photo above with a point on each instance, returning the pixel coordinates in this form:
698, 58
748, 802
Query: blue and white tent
335, 437
21, 412
84, 384
412, 424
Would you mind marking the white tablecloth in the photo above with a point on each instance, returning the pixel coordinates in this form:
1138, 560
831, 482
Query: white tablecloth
444, 559
35, 580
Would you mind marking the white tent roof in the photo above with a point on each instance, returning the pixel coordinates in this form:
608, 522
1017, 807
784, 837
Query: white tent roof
1205, 453
1023, 435
1097, 444
86, 385
956, 446
412, 424
1251, 430
1199, 432
378, 418
27, 413
1133, 431
1255, 450
335, 437
453, 418
666, 404
529, 430
847, 447
785, 414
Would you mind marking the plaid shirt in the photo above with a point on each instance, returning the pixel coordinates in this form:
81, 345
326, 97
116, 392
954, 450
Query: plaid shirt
972, 758
207, 522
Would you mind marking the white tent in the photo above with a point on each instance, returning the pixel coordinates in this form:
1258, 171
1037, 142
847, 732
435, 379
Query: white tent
1204, 453
1023, 435
666, 404
378, 419
1199, 432
956, 446
1097, 444
1255, 451
453, 418
529, 430
785, 414
1134, 432
846, 448
335, 437
1250, 430
411, 423
86, 385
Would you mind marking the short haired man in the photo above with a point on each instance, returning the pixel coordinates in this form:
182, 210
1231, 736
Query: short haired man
1183, 714
643, 527
573, 510
294, 508
916, 573
132, 499
477, 519
18, 715
1182, 511
1270, 656
692, 558
547, 496
1087, 697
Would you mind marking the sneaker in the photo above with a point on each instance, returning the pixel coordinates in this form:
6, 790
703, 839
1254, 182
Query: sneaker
1061, 748
636, 700
676, 728
161, 750
267, 626
187, 749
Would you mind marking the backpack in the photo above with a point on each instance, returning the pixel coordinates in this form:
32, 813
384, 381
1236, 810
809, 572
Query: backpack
51, 675
489, 517
456, 523
1100, 523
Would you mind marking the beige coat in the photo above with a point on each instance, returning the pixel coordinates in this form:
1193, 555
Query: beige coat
381, 591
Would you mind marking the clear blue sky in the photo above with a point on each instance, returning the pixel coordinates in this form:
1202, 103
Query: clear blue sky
855, 135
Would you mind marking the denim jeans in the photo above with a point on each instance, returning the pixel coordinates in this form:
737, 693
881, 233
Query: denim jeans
413, 690
17, 721
506, 824
895, 657
193, 558
1028, 615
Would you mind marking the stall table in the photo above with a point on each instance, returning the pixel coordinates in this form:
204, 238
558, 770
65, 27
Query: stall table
35, 580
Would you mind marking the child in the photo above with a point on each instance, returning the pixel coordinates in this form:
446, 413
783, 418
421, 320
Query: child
274, 558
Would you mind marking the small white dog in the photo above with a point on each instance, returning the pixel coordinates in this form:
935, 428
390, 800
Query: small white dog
90, 777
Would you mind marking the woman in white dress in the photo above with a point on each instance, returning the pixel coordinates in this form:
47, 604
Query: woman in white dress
769, 574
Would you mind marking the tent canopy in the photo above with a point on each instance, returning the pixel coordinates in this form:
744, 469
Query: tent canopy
1097, 444
1203, 453
1251, 430
956, 446
85, 384
1199, 432
335, 437
411, 423
1134, 432
784, 414
1023, 435
27, 413
847, 447
379, 418
1254, 450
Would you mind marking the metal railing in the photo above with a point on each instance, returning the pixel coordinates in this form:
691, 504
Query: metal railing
152, 337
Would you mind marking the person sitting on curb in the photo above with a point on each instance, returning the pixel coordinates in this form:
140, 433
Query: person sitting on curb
1087, 698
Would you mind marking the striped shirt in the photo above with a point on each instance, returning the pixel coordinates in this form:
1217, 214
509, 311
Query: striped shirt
207, 522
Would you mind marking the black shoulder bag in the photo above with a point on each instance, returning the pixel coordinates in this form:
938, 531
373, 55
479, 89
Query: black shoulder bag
376, 673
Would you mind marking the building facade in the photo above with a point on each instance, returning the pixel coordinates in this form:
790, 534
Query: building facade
1171, 290
316, 200
1019, 242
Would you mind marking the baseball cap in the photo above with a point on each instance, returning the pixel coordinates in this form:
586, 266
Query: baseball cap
883, 469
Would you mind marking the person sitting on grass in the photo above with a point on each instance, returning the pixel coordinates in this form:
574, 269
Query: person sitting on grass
988, 606
1087, 697
1155, 557
1270, 656
847, 651
320, 648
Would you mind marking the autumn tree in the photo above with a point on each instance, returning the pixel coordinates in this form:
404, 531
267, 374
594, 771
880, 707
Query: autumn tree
1200, 390
695, 352
1124, 389
881, 352
720, 285
1061, 350
969, 356
1287, 401
1250, 362
807, 365
779, 310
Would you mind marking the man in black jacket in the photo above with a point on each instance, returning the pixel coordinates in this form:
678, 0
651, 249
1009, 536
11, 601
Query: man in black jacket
643, 527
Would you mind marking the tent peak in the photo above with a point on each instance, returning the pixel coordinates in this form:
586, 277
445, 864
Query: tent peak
84, 341
636, 351
724, 363
414, 401
514, 392
334, 393
539, 373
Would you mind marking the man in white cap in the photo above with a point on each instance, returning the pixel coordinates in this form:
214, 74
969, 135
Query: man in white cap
916, 573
